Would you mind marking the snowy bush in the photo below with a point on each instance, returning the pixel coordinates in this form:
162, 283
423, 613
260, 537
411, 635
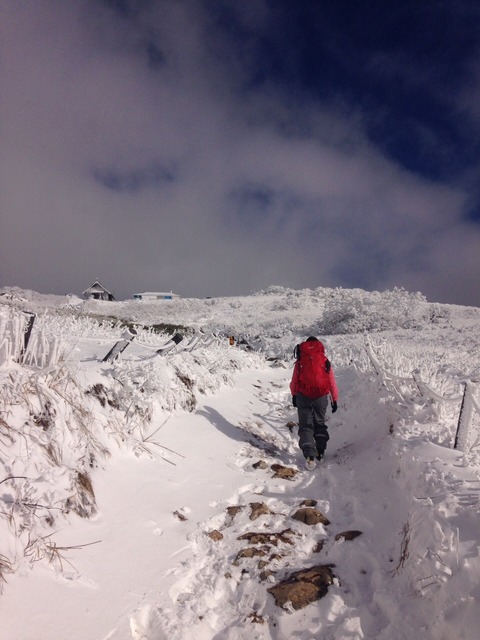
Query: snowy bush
12, 328
61, 421
45, 347
46, 464
352, 311
273, 290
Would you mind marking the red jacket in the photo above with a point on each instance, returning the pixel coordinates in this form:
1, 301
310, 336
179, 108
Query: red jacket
310, 375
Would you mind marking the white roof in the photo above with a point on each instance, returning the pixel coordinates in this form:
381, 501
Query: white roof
156, 293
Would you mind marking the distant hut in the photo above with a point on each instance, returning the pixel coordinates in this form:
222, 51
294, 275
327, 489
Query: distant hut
155, 295
97, 291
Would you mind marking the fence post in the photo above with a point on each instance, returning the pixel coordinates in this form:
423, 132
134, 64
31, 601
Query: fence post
418, 381
26, 335
464, 420
120, 346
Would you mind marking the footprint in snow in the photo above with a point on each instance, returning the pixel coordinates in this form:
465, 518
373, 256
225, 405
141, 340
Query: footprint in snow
156, 529
145, 624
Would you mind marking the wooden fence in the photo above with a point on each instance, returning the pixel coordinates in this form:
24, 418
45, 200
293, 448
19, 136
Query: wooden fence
466, 436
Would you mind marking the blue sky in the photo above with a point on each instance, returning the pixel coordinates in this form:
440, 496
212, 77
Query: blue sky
215, 147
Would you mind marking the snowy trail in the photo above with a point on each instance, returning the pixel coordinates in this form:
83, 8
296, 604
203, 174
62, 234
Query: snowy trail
218, 593
221, 592
177, 558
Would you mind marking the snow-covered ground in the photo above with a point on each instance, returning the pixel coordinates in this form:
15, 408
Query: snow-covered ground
156, 497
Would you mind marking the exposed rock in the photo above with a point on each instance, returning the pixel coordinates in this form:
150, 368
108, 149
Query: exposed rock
348, 535
265, 575
251, 552
319, 546
286, 473
309, 503
303, 587
232, 512
215, 535
255, 618
310, 516
267, 538
291, 426
261, 464
259, 509
180, 516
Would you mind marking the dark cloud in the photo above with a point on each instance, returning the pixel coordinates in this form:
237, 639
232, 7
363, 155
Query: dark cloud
216, 148
155, 55
400, 64
128, 9
134, 180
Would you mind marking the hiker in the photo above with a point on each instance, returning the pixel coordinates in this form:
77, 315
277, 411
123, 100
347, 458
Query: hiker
313, 382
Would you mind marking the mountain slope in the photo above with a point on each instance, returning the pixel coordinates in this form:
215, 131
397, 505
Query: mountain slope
175, 443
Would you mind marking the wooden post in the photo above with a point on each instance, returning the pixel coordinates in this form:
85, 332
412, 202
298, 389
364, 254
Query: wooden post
120, 346
174, 340
26, 335
464, 420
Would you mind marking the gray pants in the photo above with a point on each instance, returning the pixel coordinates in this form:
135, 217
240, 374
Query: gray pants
312, 430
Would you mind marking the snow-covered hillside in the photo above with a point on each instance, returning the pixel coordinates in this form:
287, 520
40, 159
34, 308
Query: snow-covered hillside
157, 496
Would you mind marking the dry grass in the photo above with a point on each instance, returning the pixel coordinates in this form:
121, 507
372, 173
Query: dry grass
6, 433
44, 548
404, 548
82, 502
5, 568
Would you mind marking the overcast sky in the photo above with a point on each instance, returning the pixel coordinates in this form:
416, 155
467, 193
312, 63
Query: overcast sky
216, 147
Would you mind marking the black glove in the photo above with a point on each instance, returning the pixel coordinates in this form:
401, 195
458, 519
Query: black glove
334, 406
294, 401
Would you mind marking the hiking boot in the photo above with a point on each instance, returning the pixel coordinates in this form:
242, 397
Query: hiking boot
310, 464
320, 456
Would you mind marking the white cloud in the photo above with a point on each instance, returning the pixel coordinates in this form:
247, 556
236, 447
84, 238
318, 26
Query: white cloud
125, 171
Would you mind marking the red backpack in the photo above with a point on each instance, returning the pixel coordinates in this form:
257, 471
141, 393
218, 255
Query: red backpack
313, 367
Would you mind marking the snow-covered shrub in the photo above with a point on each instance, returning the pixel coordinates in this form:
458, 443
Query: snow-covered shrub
50, 440
12, 330
354, 311
174, 383
286, 303
421, 386
276, 290
44, 351
439, 313
74, 323
46, 346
